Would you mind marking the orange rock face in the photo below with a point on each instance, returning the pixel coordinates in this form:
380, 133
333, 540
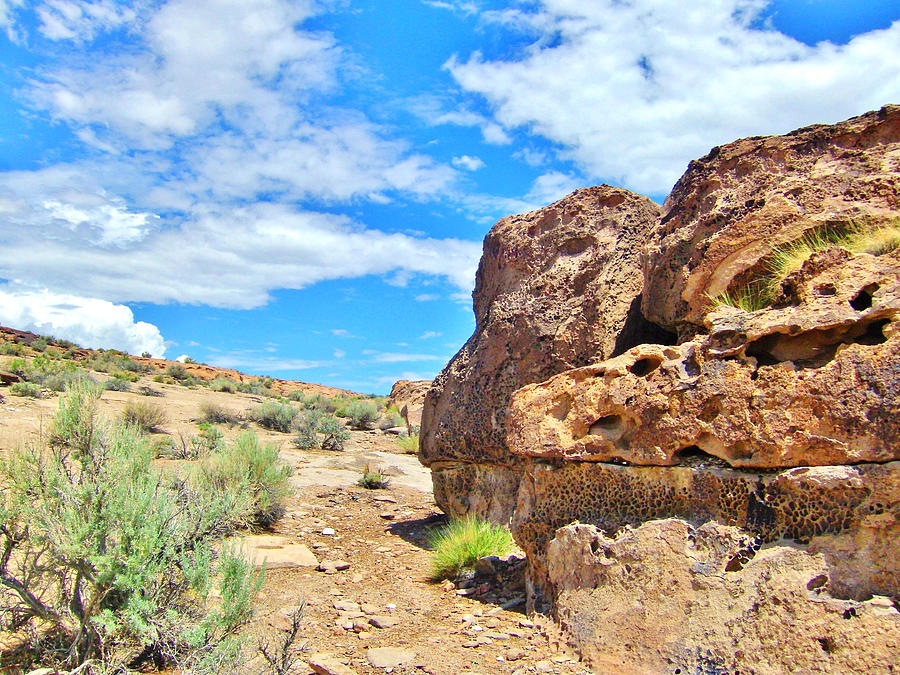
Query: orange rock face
810, 384
409, 398
555, 290
733, 206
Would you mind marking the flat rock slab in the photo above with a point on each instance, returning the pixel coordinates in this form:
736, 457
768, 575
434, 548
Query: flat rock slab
328, 664
389, 657
277, 552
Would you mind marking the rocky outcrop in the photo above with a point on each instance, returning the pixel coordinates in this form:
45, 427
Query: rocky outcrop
732, 207
744, 422
667, 598
409, 398
810, 384
556, 289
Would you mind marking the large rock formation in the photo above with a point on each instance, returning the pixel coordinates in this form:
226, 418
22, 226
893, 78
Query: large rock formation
556, 289
409, 398
771, 430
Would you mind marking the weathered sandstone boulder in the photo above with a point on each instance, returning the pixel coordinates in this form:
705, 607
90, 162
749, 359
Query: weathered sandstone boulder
667, 597
409, 398
556, 289
815, 383
733, 206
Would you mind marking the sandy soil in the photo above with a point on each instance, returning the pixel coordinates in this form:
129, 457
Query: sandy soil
379, 534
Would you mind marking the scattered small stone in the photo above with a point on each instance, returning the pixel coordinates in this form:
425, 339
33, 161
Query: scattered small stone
515, 654
525, 623
491, 623
383, 621
328, 532
475, 628
386, 516
497, 636
384, 498
472, 644
368, 608
346, 606
328, 664
389, 657
360, 625
516, 633
466, 591
447, 585
332, 566
515, 602
543, 667
390, 606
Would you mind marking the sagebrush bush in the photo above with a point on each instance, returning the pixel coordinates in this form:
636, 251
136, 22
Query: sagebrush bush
177, 371
117, 384
223, 384
10, 349
312, 423
106, 562
462, 542
213, 413
26, 389
362, 414
249, 467
144, 415
274, 416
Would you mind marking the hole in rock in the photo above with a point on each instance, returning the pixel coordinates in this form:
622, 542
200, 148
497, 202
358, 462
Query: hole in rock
645, 366
606, 422
694, 455
561, 410
874, 333
638, 331
849, 613
825, 290
863, 300
826, 644
817, 582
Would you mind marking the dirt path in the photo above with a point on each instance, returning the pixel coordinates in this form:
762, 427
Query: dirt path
378, 535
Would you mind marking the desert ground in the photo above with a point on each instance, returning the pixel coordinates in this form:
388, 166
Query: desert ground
355, 560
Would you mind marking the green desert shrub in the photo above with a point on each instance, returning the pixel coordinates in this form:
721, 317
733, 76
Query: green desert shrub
27, 389
107, 562
10, 349
274, 416
214, 413
373, 478
362, 414
462, 542
144, 415
117, 384
223, 384
409, 444
177, 372
298, 397
312, 424
39, 345
334, 433
249, 467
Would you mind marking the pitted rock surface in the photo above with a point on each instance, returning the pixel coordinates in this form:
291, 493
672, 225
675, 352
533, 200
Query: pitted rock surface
667, 597
816, 383
830, 509
556, 289
733, 206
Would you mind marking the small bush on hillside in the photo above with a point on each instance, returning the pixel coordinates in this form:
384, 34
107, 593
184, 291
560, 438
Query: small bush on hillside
247, 466
362, 414
59, 381
149, 391
27, 389
177, 371
105, 562
462, 542
307, 424
334, 433
223, 384
10, 349
144, 415
39, 345
274, 416
297, 396
409, 444
213, 413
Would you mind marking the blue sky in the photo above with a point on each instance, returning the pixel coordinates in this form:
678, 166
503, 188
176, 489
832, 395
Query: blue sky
300, 188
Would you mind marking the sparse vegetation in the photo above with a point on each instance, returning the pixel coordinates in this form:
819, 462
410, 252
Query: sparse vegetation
362, 414
312, 423
214, 413
106, 564
373, 478
177, 372
247, 467
334, 433
462, 542
274, 416
26, 389
223, 384
117, 384
409, 444
144, 415
786, 259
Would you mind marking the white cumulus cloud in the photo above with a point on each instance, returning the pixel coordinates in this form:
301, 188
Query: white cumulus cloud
89, 322
634, 90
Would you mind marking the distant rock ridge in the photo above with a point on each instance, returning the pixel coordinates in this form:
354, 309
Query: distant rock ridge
620, 376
